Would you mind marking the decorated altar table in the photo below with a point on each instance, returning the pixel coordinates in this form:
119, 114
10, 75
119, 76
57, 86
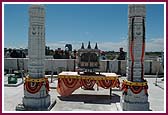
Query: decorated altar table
68, 82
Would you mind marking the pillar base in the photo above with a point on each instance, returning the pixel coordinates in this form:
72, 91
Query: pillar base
22, 107
32, 103
36, 95
37, 101
134, 102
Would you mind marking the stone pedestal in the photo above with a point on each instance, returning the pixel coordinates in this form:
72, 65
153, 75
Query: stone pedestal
135, 102
37, 101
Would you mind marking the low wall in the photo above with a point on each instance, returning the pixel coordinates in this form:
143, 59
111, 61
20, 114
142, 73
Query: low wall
151, 67
119, 66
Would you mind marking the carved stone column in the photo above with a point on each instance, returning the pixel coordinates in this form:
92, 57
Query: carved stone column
135, 96
36, 86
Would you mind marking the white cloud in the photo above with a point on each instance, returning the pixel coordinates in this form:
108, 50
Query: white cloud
61, 44
113, 46
155, 44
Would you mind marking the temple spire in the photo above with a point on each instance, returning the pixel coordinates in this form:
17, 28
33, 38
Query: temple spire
96, 47
82, 47
89, 47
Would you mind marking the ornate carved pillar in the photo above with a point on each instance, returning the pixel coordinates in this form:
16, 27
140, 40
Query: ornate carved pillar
135, 96
36, 86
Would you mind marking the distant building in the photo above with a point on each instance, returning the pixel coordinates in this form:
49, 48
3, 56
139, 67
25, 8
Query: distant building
15, 53
121, 54
59, 49
103, 56
69, 46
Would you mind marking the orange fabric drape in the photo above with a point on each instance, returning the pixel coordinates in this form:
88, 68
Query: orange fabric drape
36, 86
66, 86
63, 90
87, 83
33, 89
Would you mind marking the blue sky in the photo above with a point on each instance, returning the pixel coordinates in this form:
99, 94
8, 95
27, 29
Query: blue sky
105, 24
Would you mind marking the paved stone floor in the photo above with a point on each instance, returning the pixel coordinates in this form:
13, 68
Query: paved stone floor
87, 100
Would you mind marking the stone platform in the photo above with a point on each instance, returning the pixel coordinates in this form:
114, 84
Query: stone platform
88, 100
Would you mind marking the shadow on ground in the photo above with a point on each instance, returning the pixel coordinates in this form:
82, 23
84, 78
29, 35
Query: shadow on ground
94, 99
